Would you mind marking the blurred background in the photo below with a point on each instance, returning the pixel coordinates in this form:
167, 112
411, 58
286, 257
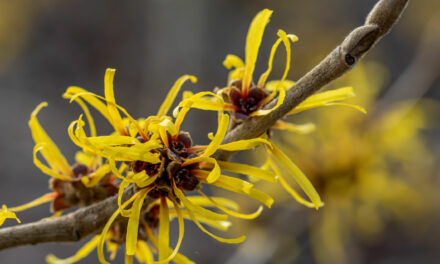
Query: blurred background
47, 45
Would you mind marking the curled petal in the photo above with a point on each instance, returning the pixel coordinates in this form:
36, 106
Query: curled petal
106, 228
328, 98
233, 61
50, 152
202, 201
248, 170
298, 175
173, 93
198, 209
232, 212
277, 84
83, 252
45, 169
206, 103
181, 233
73, 92
111, 103
253, 42
191, 209
133, 223
179, 258
143, 253
48, 197
218, 138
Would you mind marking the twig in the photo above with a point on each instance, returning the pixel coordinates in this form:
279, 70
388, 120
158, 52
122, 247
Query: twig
91, 219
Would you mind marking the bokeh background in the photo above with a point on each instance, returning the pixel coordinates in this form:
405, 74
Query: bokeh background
47, 45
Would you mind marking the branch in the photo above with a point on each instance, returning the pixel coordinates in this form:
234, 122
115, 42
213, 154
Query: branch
91, 219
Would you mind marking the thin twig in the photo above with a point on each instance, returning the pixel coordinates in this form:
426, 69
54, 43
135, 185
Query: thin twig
91, 219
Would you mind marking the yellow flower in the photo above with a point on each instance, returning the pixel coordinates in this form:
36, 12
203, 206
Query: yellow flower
164, 164
245, 99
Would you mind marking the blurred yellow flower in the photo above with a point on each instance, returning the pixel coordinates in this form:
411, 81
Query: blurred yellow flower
368, 170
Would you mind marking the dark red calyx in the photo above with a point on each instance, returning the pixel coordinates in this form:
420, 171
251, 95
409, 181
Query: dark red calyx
246, 104
180, 144
184, 180
150, 169
79, 170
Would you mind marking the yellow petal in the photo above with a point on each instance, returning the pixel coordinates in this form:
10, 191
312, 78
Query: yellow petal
106, 228
231, 212
238, 186
299, 129
299, 177
41, 200
253, 42
45, 169
244, 144
328, 98
173, 93
164, 229
88, 116
214, 174
113, 140
133, 223
181, 232
285, 38
84, 158
50, 152
188, 103
221, 239
220, 225
248, 170
96, 176
198, 209
274, 85
233, 61
290, 190
83, 252
143, 253
73, 92
226, 182
202, 201
5, 214
111, 103
221, 132
179, 259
